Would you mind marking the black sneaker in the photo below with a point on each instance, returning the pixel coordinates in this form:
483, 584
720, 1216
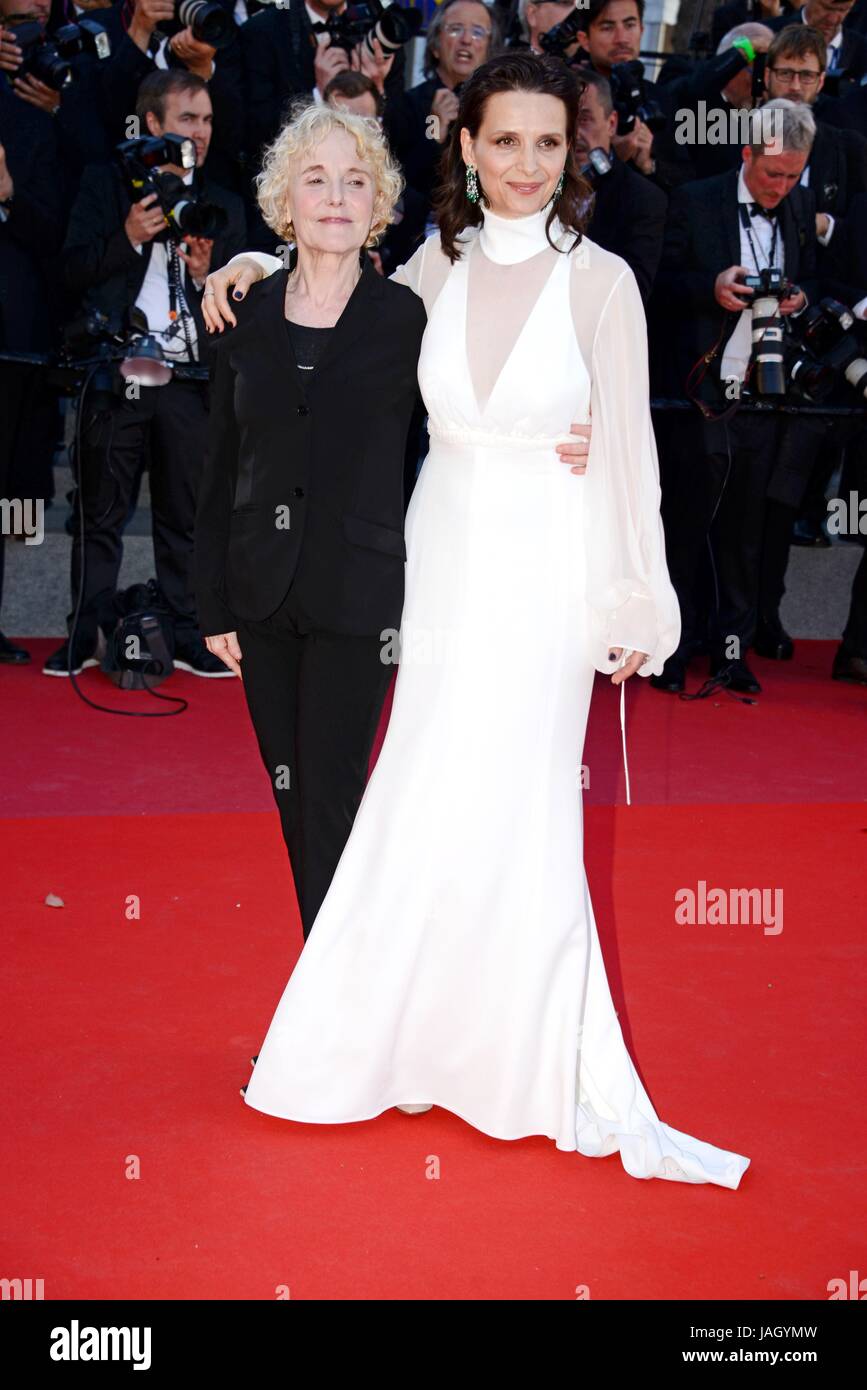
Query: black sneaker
58, 662
12, 655
196, 658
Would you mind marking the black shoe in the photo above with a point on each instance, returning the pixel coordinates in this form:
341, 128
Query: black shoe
243, 1090
672, 676
12, 655
58, 662
772, 640
736, 675
849, 667
195, 657
254, 1060
808, 533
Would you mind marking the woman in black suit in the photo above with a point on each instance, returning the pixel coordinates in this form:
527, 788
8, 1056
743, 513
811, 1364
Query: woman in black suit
299, 537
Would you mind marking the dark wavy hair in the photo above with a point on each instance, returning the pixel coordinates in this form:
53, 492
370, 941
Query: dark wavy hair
510, 72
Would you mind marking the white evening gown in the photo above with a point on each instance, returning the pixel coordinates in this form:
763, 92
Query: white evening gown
455, 959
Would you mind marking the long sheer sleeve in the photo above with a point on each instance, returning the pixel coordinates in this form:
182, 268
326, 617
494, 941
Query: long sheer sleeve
629, 591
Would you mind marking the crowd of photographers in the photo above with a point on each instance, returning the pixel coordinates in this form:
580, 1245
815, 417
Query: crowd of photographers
734, 183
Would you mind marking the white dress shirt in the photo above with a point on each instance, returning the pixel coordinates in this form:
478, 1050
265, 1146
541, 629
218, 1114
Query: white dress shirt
153, 300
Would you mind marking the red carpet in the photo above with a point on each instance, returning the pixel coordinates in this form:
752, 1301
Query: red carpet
128, 1030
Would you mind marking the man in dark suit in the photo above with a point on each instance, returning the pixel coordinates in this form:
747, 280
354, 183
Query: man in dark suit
849, 268
837, 168
719, 231
610, 34
300, 551
31, 233
629, 211
846, 48
284, 59
460, 37
117, 255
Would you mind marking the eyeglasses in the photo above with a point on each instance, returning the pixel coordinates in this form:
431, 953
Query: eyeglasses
803, 75
475, 32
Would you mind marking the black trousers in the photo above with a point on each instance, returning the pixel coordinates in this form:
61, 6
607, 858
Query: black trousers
169, 422
855, 631
29, 426
315, 698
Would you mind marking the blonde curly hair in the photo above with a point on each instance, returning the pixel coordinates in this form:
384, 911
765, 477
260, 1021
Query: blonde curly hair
306, 126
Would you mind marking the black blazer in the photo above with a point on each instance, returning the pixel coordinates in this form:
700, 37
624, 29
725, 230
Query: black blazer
847, 256
629, 219
703, 238
33, 233
303, 480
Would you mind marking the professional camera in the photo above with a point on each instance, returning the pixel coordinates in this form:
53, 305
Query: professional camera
597, 165
185, 213
46, 56
555, 41
768, 356
364, 22
824, 348
209, 22
628, 90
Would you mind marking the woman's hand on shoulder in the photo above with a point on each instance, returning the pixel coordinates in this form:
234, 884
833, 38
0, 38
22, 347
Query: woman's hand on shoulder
216, 310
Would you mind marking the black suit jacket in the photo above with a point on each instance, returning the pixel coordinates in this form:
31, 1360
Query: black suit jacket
703, 238
33, 234
102, 268
405, 125
303, 481
845, 113
629, 219
847, 256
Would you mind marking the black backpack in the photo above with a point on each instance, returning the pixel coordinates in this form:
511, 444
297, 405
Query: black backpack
140, 650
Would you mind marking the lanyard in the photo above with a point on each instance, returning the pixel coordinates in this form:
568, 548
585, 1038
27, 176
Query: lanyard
746, 219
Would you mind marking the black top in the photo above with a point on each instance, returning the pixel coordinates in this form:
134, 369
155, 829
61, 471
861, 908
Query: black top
307, 343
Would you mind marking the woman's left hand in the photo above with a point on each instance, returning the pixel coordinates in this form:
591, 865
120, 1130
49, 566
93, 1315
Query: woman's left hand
576, 454
637, 659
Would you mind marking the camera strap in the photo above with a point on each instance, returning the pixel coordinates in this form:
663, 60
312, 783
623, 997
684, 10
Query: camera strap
746, 221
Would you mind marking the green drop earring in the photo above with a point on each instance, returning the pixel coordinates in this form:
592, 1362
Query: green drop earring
472, 184
559, 187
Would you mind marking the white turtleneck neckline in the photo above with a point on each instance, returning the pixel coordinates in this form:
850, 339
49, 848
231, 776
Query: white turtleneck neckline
507, 240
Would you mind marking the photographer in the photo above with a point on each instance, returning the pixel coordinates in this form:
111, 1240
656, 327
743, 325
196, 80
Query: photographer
837, 168
148, 37
71, 92
628, 212
732, 484
846, 55
536, 17
611, 33
31, 233
120, 254
850, 265
286, 59
462, 35
715, 91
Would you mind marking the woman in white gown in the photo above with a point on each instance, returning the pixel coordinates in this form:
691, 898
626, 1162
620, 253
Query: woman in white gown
455, 959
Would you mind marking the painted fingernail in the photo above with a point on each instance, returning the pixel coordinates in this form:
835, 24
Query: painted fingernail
237, 294
612, 656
